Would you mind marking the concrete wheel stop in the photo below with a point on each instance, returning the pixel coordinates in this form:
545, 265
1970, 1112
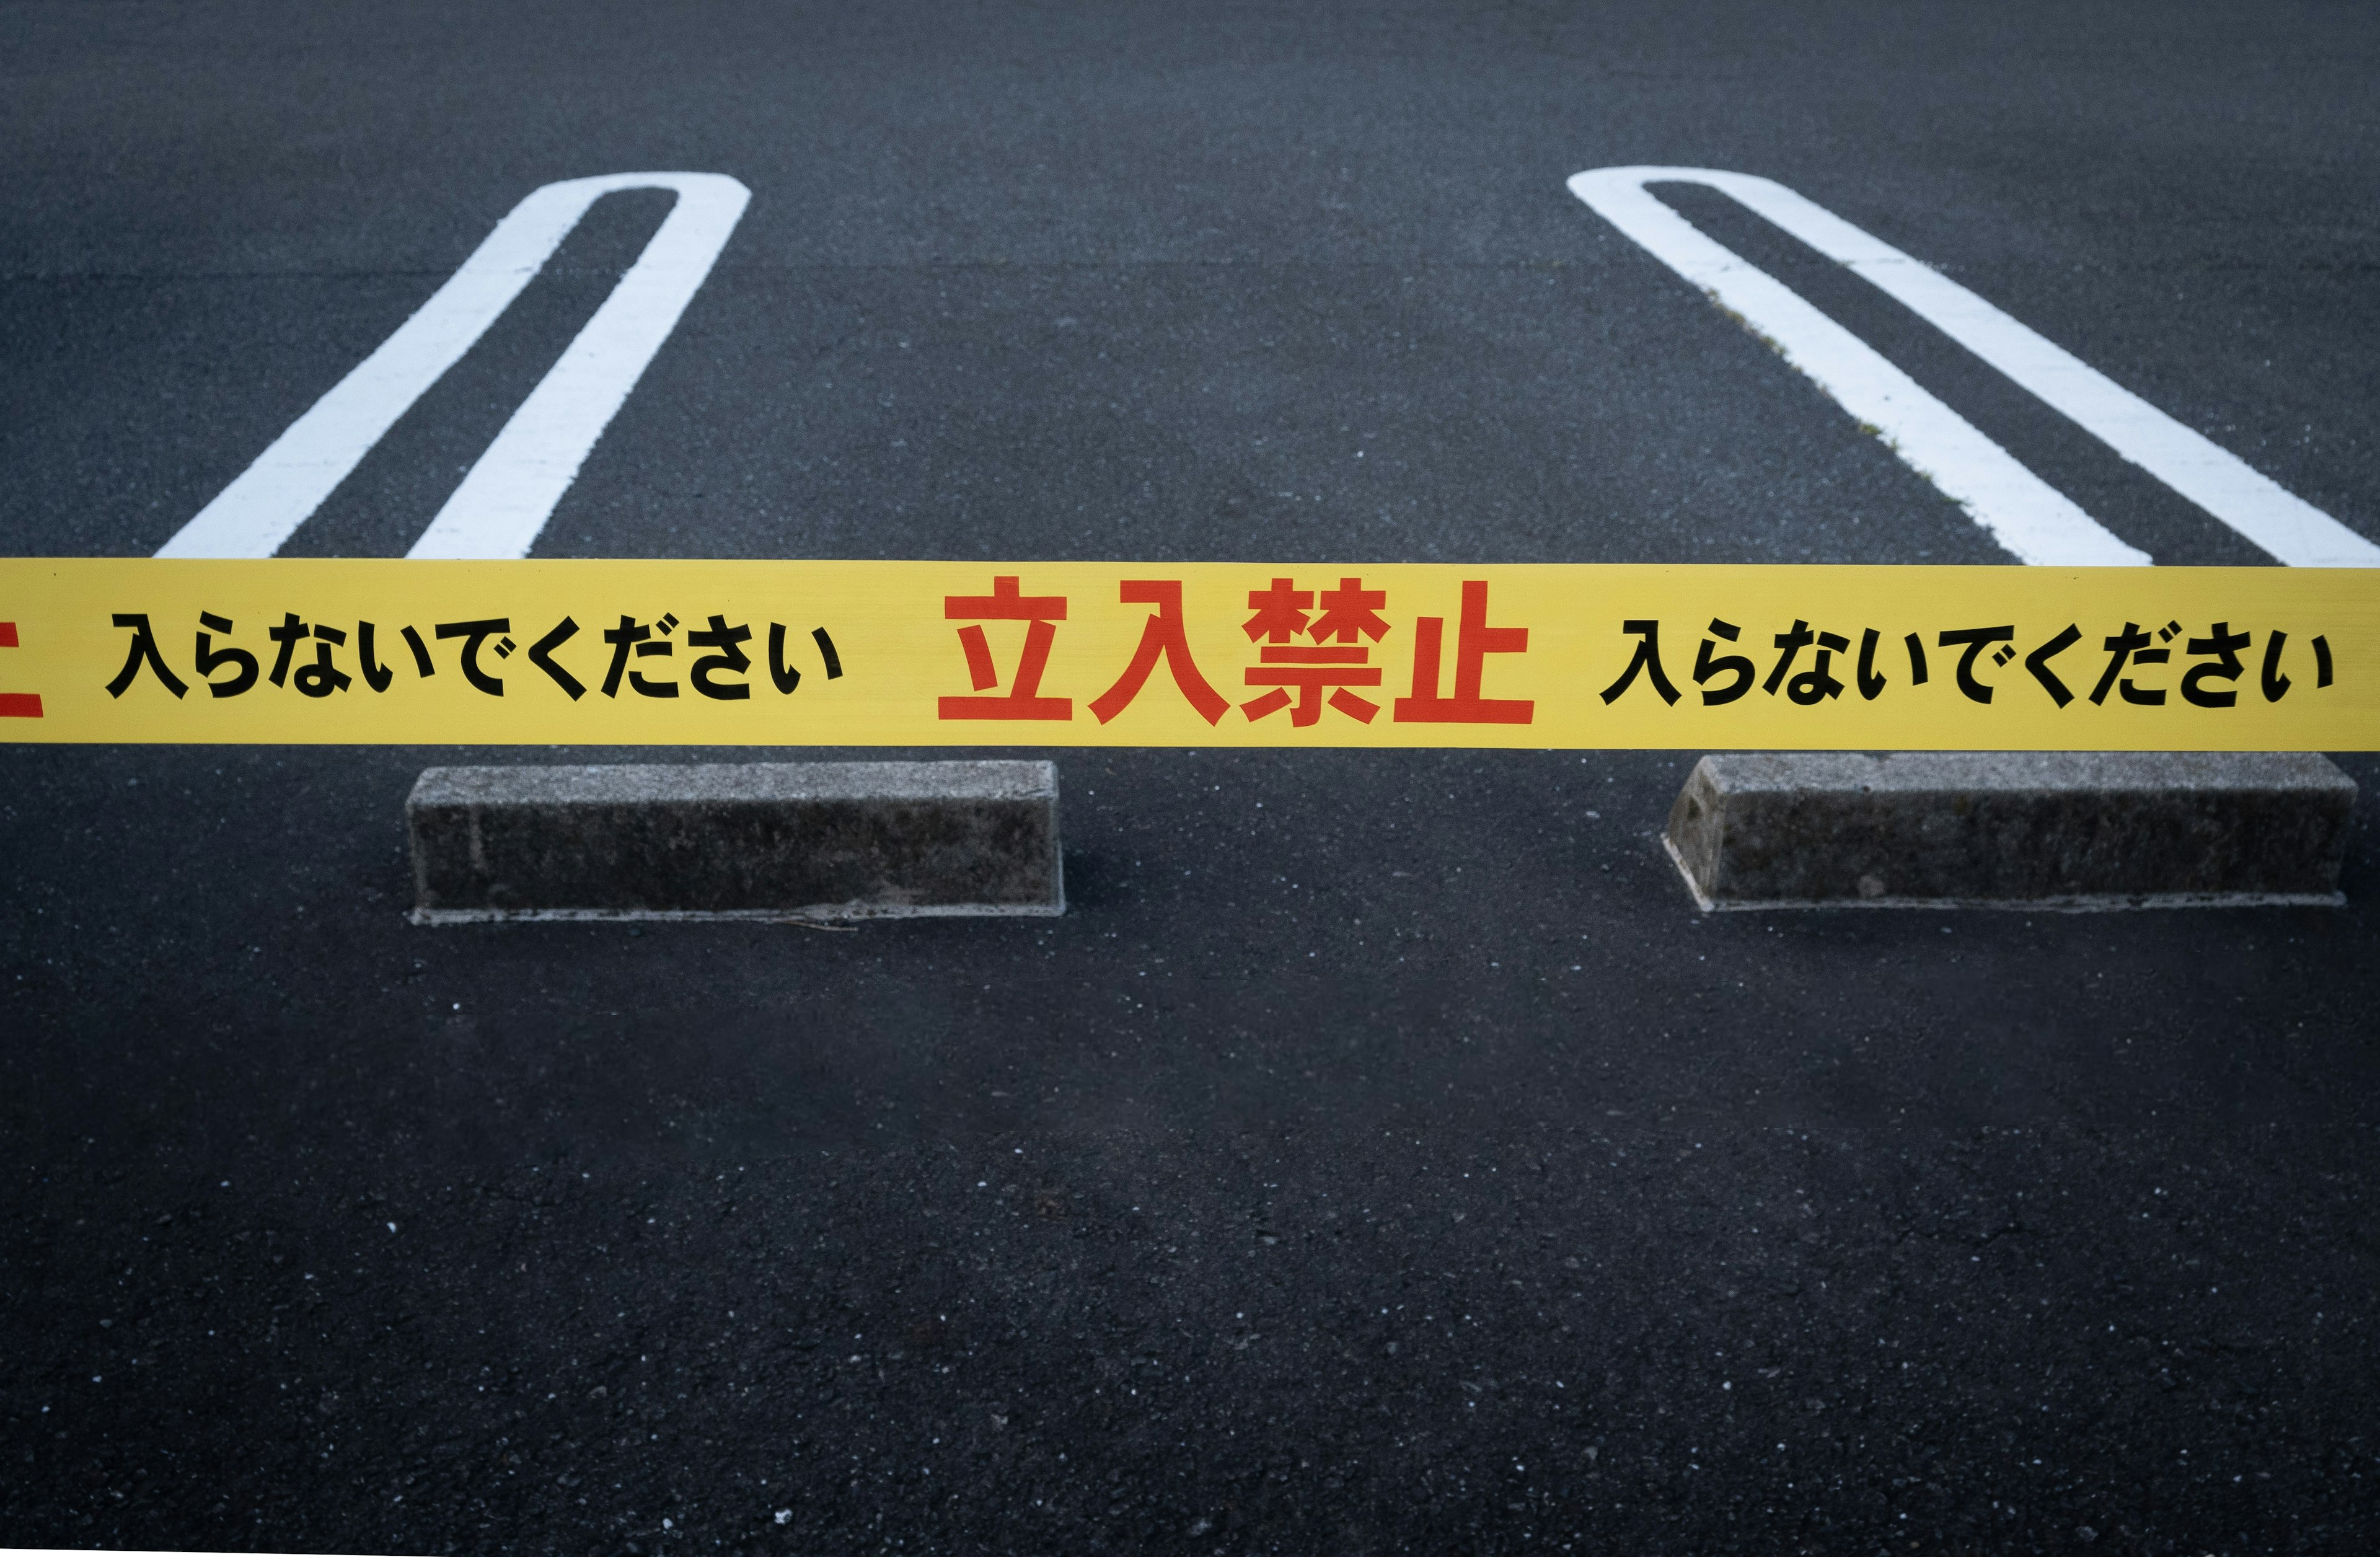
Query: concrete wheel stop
786, 841
2011, 830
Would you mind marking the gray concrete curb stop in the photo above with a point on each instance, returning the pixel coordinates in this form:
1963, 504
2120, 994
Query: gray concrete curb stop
736, 841
2011, 830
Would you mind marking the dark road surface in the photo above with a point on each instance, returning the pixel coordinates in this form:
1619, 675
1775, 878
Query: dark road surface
1382, 1154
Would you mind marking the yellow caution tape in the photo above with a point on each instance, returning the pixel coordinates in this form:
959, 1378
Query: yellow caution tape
1046, 654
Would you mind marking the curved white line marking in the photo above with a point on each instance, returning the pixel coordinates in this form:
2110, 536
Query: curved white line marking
2028, 517
506, 497
2022, 512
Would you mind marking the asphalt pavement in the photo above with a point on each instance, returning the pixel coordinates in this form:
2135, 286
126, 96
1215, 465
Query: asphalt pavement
1382, 1154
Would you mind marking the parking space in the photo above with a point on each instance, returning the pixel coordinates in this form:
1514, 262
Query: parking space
1381, 1153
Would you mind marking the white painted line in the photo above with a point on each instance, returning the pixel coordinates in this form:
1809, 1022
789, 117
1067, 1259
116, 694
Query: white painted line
2022, 512
506, 497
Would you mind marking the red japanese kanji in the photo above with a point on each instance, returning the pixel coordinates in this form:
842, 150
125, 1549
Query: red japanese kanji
1162, 635
1351, 609
1347, 612
1279, 611
1006, 603
17, 705
1475, 639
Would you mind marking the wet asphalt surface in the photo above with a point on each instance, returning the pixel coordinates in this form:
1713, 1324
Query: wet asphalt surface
1381, 1153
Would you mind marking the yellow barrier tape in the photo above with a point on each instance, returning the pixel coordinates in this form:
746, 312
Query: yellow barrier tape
1044, 654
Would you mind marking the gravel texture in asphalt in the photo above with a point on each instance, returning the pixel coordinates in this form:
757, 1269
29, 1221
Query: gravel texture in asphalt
1382, 1154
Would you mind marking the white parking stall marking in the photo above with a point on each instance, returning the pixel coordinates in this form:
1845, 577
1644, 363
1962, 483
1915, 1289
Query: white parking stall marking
2022, 512
506, 497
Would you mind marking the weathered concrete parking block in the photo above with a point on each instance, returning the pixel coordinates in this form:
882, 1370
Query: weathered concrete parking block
766, 841
2081, 830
